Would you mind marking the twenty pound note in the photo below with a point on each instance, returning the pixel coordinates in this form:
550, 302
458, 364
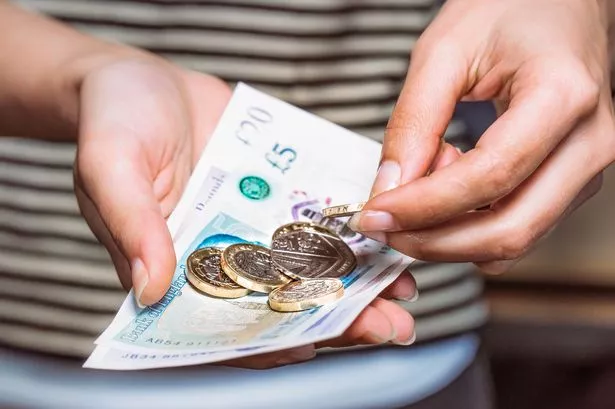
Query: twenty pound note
267, 164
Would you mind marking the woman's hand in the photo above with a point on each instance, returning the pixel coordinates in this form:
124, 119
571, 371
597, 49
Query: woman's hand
143, 126
544, 63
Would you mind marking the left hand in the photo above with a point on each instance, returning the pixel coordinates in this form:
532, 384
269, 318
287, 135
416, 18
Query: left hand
544, 63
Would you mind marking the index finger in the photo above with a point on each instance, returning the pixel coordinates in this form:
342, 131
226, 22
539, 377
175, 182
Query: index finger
425, 106
510, 150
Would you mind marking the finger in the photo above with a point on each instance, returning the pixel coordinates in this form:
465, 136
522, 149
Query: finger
436, 80
502, 266
371, 327
90, 214
389, 173
517, 221
400, 319
403, 288
129, 119
509, 151
448, 154
124, 198
382, 321
274, 359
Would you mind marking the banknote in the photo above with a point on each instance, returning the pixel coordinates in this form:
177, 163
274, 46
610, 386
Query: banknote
267, 164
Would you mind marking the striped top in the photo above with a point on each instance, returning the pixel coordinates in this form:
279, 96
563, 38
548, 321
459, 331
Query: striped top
343, 60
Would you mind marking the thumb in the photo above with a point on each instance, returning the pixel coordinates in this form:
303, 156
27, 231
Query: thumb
128, 114
131, 219
435, 82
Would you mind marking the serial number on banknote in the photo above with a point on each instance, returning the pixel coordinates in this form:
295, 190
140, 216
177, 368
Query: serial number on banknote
190, 344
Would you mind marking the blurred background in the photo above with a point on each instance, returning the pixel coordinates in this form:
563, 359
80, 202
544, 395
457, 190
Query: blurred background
551, 336
549, 341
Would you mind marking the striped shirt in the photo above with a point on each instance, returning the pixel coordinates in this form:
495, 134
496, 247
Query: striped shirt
344, 60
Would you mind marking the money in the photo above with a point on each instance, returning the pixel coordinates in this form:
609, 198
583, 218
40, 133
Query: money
267, 164
343, 210
250, 266
307, 250
205, 273
306, 294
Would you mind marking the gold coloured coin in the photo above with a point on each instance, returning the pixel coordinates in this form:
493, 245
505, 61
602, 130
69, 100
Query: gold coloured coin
343, 210
250, 266
305, 294
295, 226
205, 274
306, 250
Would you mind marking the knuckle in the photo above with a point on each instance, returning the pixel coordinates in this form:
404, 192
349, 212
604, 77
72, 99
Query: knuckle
501, 179
513, 244
496, 173
587, 94
576, 82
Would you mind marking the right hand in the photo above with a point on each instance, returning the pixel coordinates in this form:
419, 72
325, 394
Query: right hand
545, 65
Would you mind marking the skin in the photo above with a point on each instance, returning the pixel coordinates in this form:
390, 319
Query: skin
545, 65
140, 124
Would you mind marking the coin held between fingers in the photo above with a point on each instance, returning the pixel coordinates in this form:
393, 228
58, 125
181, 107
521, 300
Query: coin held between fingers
342, 210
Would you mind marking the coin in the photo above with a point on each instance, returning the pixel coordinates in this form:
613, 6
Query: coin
204, 273
307, 250
250, 266
343, 210
305, 294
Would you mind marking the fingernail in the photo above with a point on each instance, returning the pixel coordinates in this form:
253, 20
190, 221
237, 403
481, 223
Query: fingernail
297, 355
407, 342
374, 338
372, 221
387, 178
411, 297
140, 278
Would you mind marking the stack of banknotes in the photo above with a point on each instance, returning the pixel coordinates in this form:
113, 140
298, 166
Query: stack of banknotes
267, 164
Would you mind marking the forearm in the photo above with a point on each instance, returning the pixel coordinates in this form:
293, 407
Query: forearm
42, 63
